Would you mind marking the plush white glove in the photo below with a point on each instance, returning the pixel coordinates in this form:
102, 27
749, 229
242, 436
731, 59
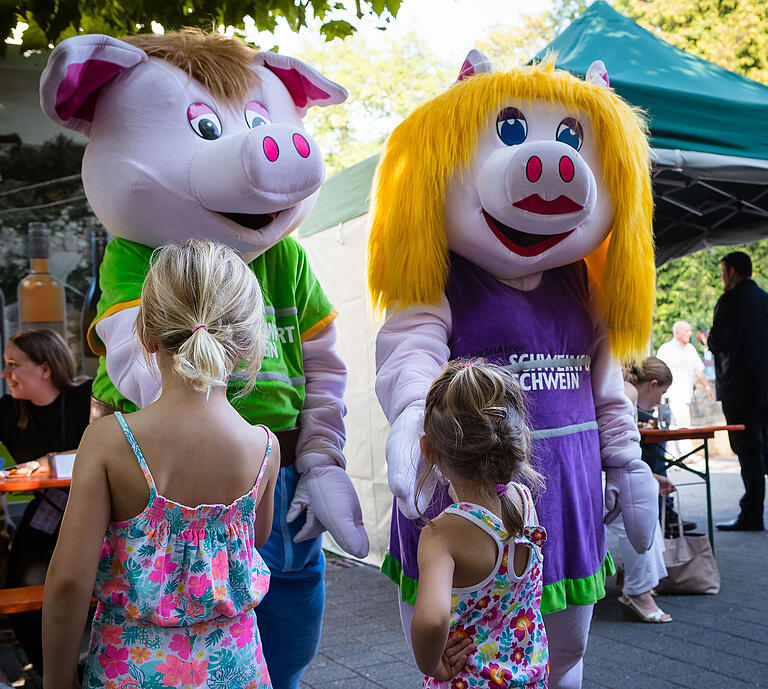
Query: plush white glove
406, 465
331, 503
632, 490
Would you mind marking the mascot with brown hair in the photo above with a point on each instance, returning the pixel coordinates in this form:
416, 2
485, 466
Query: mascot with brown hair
197, 135
512, 221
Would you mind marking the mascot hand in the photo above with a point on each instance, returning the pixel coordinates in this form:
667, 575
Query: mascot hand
632, 490
406, 465
331, 504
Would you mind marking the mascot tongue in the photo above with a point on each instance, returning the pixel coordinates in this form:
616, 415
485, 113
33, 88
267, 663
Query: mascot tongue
523, 243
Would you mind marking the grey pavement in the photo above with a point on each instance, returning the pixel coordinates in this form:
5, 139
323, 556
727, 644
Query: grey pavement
714, 642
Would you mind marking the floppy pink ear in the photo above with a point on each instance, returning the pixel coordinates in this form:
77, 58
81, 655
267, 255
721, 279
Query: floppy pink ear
474, 63
305, 84
597, 74
77, 69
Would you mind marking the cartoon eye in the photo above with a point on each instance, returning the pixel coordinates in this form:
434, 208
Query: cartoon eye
256, 114
511, 126
569, 132
204, 121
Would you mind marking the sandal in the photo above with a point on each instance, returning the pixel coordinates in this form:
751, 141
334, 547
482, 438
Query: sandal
631, 612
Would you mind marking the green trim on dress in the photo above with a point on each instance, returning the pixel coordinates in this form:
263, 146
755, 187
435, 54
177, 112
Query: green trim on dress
555, 597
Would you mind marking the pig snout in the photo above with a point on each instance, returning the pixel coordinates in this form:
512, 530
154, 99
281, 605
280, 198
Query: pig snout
541, 187
264, 170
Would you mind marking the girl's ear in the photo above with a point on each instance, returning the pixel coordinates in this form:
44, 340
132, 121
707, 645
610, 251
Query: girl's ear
46, 370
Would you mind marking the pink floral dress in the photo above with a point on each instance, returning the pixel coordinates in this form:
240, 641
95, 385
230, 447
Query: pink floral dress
501, 613
176, 589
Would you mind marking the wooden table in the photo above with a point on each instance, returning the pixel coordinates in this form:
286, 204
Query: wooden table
44, 477
703, 433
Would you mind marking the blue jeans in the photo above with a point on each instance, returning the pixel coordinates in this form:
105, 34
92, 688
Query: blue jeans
291, 614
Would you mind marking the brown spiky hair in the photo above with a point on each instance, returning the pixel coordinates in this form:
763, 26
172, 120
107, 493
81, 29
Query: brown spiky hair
222, 65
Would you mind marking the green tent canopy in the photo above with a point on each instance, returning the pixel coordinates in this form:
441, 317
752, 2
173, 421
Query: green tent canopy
708, 133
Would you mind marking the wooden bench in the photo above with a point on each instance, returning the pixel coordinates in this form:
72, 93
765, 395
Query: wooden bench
22, 599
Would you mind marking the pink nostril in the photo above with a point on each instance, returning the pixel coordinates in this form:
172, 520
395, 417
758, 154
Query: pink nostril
566, 169
301, 145
270, 149
533, 169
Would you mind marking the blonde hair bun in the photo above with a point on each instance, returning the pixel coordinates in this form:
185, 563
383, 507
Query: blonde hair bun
203, 305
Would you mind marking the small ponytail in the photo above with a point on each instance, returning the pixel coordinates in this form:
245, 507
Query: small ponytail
512, 516
203, 305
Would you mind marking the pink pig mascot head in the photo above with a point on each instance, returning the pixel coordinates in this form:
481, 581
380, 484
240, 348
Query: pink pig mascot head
191, 135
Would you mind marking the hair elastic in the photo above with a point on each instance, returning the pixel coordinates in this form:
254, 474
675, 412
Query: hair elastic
197, 327
501, 489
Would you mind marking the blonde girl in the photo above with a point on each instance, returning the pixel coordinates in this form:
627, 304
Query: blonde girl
169, 504
477, 615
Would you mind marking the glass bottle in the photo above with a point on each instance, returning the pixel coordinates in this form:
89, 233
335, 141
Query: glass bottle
91, 300
40, 295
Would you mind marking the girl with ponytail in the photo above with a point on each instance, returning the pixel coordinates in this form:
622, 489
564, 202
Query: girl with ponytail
169, 504
477, 611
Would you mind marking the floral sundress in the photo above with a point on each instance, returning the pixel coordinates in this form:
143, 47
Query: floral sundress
176, 589
501, 613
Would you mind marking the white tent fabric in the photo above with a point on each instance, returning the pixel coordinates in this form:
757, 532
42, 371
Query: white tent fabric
338, 257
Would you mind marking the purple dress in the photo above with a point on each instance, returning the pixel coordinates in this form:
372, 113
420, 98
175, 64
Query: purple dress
546, 335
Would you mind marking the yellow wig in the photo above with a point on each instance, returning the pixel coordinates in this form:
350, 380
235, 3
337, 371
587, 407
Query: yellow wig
408, 255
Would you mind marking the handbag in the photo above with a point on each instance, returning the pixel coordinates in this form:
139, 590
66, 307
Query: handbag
691, 565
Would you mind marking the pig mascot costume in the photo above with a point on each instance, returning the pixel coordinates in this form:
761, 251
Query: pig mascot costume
198, 135
512, 221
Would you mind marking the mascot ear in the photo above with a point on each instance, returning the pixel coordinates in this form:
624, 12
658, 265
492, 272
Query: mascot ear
306, 85
597, 74
475, 63
77, 69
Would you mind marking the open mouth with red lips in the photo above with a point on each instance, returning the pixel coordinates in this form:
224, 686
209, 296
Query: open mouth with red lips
523, 243
253, 221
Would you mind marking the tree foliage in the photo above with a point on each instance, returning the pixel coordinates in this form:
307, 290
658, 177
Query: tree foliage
51, 21
730, 33
385, 80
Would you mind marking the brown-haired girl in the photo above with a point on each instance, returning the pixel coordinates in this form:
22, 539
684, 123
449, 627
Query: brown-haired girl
480, 559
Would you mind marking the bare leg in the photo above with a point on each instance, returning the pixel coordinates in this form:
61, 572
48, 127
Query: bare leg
567, 634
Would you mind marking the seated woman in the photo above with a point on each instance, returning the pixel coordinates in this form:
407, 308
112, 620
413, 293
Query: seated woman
645, 385
47, 411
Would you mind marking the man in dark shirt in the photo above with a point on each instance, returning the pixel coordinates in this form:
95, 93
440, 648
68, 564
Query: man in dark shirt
739, 341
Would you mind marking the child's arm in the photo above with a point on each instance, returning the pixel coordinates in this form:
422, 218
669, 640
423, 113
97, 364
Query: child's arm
72, 572
431, 617
265, 508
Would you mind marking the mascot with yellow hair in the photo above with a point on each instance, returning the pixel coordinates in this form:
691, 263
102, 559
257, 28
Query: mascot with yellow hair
512, 221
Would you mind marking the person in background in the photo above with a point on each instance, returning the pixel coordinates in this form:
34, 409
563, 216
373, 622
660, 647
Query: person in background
687, 367
170, 503
739, 341
47, 410
645, 385
706, 355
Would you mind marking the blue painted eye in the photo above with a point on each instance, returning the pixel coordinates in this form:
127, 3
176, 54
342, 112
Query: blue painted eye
511, 126
569, 132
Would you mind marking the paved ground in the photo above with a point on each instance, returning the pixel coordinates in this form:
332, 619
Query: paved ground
715, 642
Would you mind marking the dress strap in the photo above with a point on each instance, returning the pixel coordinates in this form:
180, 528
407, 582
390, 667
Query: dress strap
481, 517
267, 455
137, 451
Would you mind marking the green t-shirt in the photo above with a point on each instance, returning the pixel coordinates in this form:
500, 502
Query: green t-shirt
296, 309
